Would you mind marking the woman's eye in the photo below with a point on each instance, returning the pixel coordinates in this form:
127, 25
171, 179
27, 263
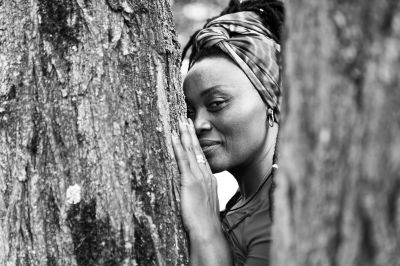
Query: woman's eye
216, 104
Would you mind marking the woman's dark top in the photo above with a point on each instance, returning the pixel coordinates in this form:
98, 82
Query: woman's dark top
248, 227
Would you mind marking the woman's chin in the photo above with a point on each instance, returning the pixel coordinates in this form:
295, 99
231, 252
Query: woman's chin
216, 167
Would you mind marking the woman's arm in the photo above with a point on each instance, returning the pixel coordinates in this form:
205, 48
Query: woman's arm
199, 201
209, 249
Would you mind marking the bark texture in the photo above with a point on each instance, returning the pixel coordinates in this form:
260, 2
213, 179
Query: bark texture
88, 89
338, 195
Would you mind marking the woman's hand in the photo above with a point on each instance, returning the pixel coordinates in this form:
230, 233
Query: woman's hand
199, 199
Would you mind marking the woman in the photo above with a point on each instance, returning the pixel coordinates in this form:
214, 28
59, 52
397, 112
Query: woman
232, 91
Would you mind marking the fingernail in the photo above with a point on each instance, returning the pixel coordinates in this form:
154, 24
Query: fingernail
182, 119
190, 123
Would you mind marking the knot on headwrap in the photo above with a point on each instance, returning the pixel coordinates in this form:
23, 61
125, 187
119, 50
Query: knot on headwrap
244, 38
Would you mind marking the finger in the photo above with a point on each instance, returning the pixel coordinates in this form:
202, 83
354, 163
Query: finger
212, 187
197, 148
215, 190
187, 146
180, 154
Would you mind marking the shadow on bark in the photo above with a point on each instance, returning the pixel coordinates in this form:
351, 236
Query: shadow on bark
95, 241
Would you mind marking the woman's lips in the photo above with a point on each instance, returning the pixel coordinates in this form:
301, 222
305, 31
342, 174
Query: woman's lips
208, 145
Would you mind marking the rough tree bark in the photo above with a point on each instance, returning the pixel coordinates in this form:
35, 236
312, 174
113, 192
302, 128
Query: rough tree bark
338, 195
87, 92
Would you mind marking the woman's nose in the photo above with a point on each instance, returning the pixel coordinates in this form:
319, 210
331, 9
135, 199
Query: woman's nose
201, 122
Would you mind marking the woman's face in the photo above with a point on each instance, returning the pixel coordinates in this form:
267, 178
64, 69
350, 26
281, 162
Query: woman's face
227, 111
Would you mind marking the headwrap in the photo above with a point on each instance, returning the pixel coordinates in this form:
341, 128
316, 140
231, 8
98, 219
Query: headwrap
244, 38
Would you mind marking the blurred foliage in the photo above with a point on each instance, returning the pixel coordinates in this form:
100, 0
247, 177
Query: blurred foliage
190, 15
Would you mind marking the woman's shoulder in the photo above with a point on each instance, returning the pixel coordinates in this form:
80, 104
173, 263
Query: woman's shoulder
248, 229
257, 226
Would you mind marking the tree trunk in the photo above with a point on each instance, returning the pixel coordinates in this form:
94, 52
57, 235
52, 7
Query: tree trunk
338, 195
88, 90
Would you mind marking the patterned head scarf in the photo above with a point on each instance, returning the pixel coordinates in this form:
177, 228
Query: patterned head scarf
244, 38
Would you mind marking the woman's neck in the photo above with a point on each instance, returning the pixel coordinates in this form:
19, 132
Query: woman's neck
251, 175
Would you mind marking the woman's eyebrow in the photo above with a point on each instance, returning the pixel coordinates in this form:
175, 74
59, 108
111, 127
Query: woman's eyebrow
211, 90
207, 92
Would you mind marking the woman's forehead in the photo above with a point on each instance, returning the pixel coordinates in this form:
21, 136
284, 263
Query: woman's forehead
214, 72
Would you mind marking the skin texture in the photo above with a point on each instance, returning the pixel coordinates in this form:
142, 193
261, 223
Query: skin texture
229, 129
